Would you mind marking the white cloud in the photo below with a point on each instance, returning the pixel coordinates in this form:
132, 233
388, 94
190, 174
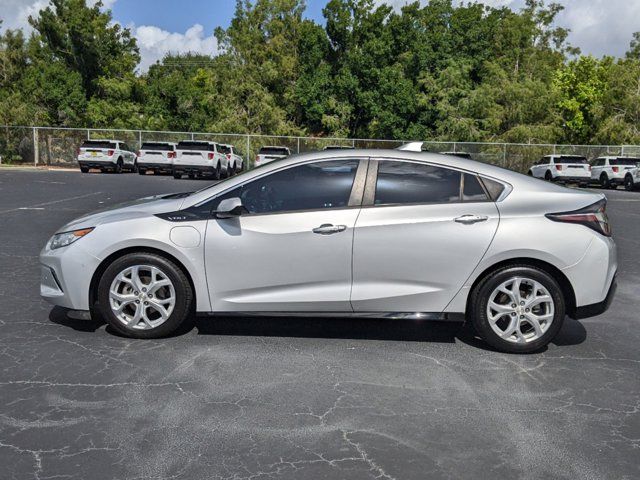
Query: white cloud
15, 13
155, 43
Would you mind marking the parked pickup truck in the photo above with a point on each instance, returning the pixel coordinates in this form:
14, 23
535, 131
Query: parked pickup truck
106, 155
200, 159
269, 154
156, 157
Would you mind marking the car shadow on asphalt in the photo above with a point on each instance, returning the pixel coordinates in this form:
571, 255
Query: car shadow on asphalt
572, 332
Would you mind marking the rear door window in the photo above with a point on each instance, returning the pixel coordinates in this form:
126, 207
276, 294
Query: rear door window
405, 183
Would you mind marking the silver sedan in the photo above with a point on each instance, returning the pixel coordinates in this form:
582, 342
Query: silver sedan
375, 233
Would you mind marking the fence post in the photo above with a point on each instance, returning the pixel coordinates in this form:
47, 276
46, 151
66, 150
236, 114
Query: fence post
455, 147
298, 145
504, 155
139, 139
88, 134
248, 150
622, 151
35, 147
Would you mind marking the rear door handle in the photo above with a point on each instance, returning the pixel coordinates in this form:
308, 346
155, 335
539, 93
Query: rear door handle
328, 229
470, 219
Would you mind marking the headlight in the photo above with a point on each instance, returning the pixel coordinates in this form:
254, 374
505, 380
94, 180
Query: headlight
60, 240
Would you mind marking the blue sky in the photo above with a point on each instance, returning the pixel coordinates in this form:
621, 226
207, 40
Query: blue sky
599, 27
172, 15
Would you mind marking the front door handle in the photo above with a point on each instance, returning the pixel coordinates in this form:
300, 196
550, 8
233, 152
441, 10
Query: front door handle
471, 219
328, 229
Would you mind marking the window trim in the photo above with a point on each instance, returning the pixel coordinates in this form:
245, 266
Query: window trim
372, 180
355, 196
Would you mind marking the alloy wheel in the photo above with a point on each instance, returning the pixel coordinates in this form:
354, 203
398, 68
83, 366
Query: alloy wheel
520, 310
142, 297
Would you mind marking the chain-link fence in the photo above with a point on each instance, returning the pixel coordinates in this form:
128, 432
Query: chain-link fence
58, 146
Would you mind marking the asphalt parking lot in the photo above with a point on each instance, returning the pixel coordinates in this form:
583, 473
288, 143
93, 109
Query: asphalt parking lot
299, 398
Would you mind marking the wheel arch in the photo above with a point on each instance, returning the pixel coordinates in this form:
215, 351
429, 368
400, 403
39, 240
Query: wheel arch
555, 272
97, 274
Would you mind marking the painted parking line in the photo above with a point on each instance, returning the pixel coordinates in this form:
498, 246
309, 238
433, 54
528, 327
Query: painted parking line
46, 204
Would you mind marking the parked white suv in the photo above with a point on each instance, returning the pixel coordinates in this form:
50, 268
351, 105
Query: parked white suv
199, 159
610, 172
236, 162
156, 157
112, 155
270, 153
563, 168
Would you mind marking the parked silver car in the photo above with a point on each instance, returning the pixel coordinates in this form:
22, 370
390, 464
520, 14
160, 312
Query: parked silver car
375, 233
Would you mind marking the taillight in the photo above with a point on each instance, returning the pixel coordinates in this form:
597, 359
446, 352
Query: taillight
558, 167
110, 153
615, 169
79, 151
139, 153
594, 217
589, 167
171, 155
228, 156
257, 158
210, 156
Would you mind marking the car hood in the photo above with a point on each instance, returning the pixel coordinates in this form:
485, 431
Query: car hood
128, 210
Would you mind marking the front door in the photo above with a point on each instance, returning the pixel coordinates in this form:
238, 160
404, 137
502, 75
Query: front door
425, 231
292, 251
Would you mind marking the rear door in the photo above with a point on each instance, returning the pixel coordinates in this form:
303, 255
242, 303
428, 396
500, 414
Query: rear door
292, 251
420, 234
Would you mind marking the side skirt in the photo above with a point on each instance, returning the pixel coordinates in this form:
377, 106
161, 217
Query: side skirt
440, 317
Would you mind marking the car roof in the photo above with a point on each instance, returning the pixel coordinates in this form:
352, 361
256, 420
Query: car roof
103, 140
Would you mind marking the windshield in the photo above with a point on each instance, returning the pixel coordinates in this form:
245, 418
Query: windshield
569, 159
165, 147
629, 162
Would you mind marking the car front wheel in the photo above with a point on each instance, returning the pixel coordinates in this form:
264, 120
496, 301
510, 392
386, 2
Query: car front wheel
517, 309
143, 295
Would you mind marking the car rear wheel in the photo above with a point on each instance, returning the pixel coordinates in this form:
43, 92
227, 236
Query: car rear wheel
629, 184
604, 181
177, 176
548, 176
142, 171
118, 168
84, 169
217, 172
143, 295
517, 309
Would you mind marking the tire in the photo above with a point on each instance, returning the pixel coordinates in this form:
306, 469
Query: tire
177, 176
134, 168
84, 169
118, 168
217, 174
142, 171
604, 181
192, 176
530, 173
548, 176
231, 170
629, 184
144, 320
523, 339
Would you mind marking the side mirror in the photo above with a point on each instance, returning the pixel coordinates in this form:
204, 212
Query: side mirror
229, 208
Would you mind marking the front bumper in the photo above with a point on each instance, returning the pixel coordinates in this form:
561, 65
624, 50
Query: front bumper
65, 276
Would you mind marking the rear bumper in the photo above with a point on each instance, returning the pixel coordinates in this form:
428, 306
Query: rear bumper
193, 169
573, 179
597, 308
156, 167
97, 163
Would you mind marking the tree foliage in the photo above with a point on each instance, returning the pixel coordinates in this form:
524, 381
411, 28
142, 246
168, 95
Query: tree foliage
445, 70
